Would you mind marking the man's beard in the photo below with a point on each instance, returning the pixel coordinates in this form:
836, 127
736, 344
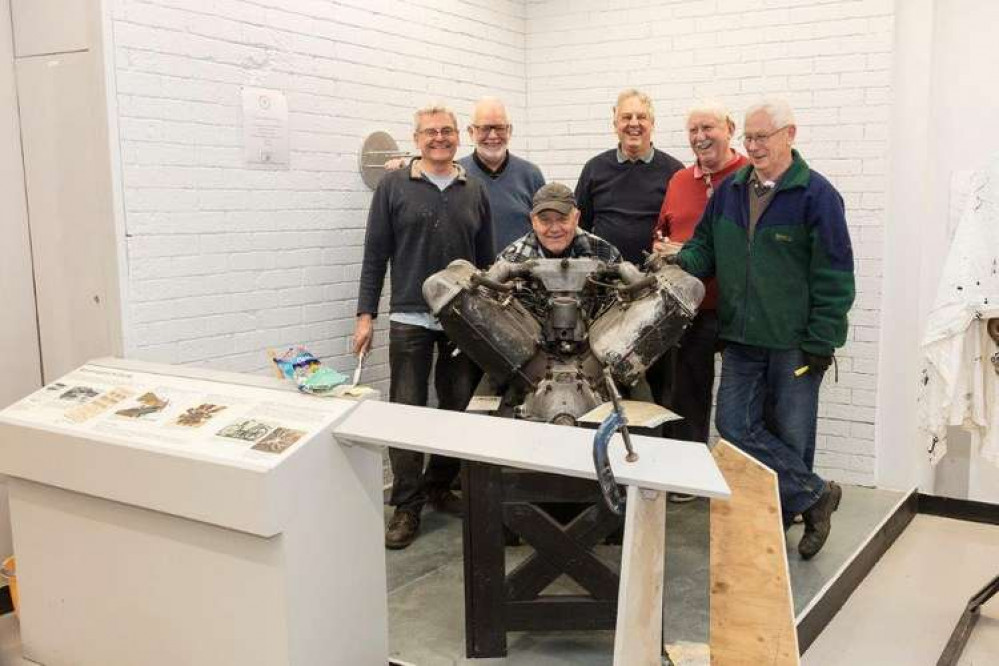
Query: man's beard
491, 153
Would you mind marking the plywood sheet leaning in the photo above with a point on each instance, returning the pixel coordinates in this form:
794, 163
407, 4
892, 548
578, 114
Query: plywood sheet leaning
752, 612
638, 639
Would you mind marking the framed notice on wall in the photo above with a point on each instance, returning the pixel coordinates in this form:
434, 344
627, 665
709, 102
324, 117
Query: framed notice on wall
265, 128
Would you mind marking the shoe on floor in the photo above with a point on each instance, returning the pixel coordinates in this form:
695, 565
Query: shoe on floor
402, 530
818, 521
445, 501
681, 498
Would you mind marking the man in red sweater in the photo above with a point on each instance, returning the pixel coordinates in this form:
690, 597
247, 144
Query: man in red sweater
684, 377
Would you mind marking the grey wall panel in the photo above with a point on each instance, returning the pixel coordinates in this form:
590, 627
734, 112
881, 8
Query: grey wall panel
20, 367
52, 26
67, 172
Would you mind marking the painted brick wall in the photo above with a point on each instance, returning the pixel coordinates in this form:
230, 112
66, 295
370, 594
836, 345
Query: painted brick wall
831, 60
223, 261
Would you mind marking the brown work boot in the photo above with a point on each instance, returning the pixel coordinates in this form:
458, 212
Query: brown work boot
402, 529
818, 521
445, 501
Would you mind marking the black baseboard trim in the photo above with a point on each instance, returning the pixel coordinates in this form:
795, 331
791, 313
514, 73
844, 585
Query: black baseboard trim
959, 509
833, 598
823, 610
6, 603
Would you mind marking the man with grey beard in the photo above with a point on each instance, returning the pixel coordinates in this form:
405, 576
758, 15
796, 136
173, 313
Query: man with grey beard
510, 181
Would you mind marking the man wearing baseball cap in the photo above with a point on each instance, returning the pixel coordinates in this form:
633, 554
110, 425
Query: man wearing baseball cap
555, 231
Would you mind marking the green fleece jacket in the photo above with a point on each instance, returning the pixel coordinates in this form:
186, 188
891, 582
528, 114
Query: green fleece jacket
791, 284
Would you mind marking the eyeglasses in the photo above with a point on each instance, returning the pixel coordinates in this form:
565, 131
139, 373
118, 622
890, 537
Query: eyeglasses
434, 132
486, 130
761, 138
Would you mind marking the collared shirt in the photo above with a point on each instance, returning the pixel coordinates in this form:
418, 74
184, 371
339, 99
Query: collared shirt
761, 193
416, 171
733, 156
620, 201
622, 157
486, 169
709, 177
584, 244
686, 198
441, 181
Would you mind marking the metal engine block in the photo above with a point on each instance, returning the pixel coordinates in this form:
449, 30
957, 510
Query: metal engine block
544, 330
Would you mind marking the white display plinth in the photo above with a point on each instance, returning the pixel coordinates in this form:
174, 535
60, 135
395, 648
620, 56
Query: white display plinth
169, 516
166, 516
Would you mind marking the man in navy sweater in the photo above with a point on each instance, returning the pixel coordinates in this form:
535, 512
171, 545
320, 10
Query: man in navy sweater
510, 181
621, 190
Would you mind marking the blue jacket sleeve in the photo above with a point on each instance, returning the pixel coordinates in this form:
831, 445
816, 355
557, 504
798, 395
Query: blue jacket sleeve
831, 285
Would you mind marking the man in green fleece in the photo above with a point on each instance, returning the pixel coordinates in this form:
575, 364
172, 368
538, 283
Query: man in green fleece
775, 236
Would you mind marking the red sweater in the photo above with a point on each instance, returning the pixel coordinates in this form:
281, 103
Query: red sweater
685, 201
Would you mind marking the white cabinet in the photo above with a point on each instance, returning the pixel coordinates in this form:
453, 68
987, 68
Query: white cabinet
164, 516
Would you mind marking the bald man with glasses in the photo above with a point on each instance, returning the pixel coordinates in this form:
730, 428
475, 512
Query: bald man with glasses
775, 237
510, 181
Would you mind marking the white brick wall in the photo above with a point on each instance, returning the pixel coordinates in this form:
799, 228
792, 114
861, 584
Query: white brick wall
224, 262
830, 59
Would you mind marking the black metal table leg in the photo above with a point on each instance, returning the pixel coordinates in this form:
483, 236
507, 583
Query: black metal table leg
959, 637
484, 561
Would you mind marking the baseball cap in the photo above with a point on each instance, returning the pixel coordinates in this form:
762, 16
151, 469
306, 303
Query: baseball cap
554, 196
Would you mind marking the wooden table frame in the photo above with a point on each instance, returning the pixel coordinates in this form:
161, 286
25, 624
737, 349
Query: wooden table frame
496, 602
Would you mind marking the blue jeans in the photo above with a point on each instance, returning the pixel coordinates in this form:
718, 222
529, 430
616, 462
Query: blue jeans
411, 355
770, 414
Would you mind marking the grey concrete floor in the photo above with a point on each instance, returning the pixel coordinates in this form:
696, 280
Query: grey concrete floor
905, 610
426, 597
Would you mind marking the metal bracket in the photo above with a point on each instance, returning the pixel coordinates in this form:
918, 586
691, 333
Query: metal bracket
378, 148
615, 421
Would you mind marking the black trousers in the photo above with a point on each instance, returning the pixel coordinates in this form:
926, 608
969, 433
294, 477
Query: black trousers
683, 378
411, 356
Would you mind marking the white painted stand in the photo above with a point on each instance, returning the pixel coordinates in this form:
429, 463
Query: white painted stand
663, 465
132, 552
638, 638
144, 545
